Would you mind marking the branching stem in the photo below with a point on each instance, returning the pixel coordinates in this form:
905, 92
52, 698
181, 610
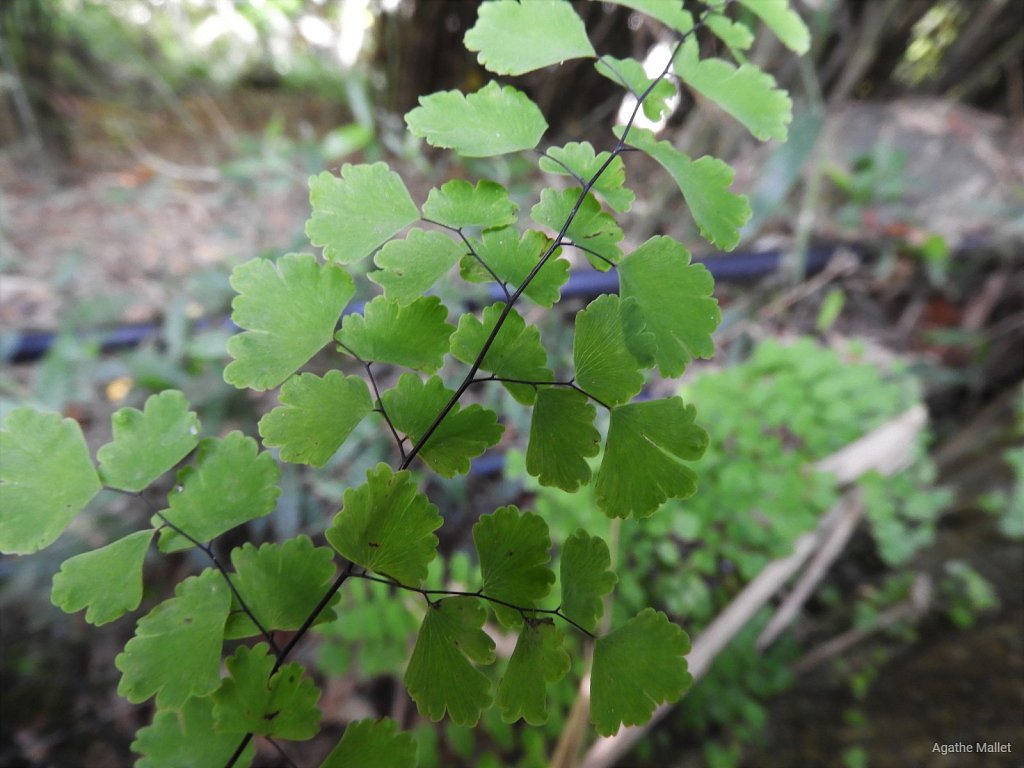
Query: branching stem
592, 252
399, 441
568, 170
555, 244
472, 252
428, 593
207, 550
571, 384
299, 634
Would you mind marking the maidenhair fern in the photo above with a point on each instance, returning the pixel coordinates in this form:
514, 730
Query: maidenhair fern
210, 704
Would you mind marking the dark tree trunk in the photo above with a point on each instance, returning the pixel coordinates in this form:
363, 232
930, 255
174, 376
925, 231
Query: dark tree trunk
420, 48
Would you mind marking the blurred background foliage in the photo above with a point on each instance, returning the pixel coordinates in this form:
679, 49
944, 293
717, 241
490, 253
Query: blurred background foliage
380, 55
151, 145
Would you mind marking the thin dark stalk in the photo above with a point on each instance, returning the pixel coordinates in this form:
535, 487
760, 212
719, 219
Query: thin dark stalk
238, 751
620, 77
559, 238
308, 623
472, 252
399, 441
568, 384
428, 593
208, 551
593, 253
299, 634
282, 753
568, 170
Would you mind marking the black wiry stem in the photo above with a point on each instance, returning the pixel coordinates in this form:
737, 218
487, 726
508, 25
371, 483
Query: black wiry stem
428, 593
529, 382
622, 80
472, 252
281, 752
238, 751
299, 634
555, 244
399, 440
207, 550
568, 170
592, 252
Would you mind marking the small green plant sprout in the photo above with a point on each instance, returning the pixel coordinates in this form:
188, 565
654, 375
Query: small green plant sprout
966, 592
215, 656
1008, 506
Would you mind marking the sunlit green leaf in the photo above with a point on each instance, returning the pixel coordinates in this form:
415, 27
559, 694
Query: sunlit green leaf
637, 667
515, 354
464, 433
357, 213
734, 34
281, 584
230, 483
457, 204
411, 266
441, 675
578, 159
783, 21
745, 92
415, 335
187, 739
630, 74
592, 229
46, 478
512, 258
251, 700
108, 580
175, 653
562, 437
514, 549
316, 416
674, 299
513, 38
586, 577
386, 525
642, 467
604, 365
373, 744
288, 310
537, 662
495, 120
705, 185
668, 12
149, 442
